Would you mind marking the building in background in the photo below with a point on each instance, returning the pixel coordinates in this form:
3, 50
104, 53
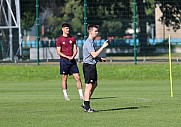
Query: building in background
161, 30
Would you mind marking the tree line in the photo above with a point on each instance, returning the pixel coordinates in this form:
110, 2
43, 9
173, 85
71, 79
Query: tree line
113, 17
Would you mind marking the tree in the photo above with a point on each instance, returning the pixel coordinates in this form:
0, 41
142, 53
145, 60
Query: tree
144, 15
171, 17
27, 14
73, 13
68, 11
142, 25
28, 10
171, 10
113, 17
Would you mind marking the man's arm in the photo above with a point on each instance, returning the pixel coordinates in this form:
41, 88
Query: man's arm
74, 51
61, 54
95, 54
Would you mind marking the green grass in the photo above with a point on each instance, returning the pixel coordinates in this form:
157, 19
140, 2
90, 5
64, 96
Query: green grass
105, 71
123, 98
125, 103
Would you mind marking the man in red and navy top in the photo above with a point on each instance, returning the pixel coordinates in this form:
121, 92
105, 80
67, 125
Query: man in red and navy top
67, 50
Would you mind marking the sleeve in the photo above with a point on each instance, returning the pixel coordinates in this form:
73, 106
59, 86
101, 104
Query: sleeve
58, 43
74, 41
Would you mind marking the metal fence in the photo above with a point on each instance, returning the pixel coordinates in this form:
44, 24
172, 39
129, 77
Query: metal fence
138, 30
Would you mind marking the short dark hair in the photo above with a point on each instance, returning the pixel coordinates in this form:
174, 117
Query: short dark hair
90, 26
65, 25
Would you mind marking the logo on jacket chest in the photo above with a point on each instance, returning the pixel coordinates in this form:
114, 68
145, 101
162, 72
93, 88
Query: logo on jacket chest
66, 42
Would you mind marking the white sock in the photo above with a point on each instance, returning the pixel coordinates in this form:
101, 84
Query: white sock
65, 93
80, 93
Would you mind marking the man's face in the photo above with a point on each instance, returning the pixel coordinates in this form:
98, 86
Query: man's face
94, 32
65, 30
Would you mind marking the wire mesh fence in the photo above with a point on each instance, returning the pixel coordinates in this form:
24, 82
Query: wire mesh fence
143, 29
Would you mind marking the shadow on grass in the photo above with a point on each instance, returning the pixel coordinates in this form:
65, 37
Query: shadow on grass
126, 108
96, 98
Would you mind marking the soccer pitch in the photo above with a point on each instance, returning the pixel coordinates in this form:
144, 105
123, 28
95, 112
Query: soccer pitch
128, 103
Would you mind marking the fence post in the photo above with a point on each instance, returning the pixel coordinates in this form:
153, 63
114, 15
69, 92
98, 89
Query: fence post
37, 30
85, 19
135, 35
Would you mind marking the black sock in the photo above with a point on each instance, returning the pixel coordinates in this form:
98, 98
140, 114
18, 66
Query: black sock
87, 104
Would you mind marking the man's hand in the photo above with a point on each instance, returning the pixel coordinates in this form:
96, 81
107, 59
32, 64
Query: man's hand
70, 57
103, 59
105, 44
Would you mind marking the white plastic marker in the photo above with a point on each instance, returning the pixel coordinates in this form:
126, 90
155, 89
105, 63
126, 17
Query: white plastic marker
170, 62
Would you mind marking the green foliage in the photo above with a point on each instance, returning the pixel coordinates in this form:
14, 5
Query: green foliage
54, 23
28, 14
171, 13
28, 20
107, 14
73, 13
110, 28
149, 7
113, 17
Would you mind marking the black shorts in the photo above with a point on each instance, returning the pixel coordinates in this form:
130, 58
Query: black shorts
68, 67
90, 73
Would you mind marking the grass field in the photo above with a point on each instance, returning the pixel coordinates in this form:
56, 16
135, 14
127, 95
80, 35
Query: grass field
127, 96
